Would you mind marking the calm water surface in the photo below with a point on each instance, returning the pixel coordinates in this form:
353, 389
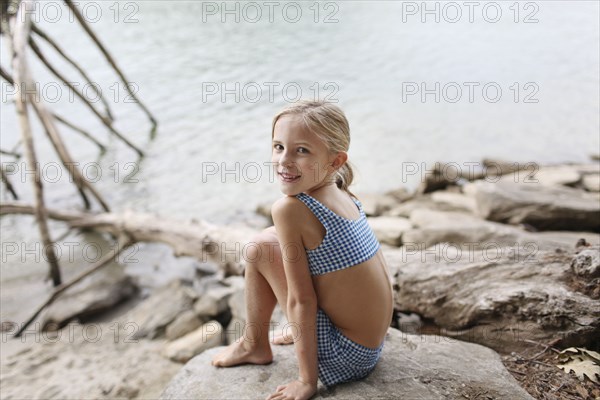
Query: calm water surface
374, 58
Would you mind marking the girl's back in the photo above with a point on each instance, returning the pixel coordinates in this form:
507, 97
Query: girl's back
358, 296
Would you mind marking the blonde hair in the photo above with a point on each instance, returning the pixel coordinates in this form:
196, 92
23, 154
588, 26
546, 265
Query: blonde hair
328, 122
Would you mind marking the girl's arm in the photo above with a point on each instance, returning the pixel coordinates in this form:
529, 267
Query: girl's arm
301, 299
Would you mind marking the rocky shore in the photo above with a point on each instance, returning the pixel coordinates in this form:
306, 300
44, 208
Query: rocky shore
484, 268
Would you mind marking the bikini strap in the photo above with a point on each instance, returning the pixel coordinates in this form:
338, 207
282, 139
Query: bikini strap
318, 209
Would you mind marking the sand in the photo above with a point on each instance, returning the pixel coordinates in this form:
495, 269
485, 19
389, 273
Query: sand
87, 361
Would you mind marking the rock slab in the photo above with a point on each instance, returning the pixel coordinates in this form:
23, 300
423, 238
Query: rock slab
92, 296
500, 300
545, 208
411, 367
153, 316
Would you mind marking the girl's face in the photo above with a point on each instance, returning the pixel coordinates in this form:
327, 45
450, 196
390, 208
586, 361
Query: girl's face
302, 161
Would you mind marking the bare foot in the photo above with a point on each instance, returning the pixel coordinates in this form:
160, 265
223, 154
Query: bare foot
281, 339
240, 353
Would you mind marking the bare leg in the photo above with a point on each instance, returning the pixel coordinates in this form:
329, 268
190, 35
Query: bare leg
265, 285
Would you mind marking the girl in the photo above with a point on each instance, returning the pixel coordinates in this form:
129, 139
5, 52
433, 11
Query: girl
320, 260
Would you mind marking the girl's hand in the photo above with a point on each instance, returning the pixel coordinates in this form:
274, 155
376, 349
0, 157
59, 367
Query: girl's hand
295, 390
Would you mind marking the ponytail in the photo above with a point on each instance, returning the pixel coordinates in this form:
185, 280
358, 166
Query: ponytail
344, 178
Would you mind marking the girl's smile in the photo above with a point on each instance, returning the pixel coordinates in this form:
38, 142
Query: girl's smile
288, 178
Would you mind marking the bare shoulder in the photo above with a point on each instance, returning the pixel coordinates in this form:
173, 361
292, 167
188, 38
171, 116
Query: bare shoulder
288, 209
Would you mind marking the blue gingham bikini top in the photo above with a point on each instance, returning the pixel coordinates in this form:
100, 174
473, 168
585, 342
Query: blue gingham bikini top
346, 242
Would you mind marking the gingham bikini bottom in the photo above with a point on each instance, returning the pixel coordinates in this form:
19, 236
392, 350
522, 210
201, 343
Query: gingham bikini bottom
341, 359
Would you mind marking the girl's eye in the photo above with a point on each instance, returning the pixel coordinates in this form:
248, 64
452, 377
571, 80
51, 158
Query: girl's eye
303, 150
277, 146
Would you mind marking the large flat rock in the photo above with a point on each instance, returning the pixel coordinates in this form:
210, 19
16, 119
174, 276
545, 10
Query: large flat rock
153, 315
92, 296
500, 299
466, 230
411, 367
544, 207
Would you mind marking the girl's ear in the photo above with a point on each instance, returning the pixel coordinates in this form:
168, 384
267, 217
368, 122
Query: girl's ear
339, 160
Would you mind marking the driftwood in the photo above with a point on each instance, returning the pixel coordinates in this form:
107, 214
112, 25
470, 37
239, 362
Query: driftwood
6, 76
16, 28
10, 153
112, 62
38, 31
200, 240
226, 247
18, 46
104, 119
9, 185
83, 132
65, 157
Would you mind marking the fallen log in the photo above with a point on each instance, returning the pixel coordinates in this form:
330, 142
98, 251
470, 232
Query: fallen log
224, 246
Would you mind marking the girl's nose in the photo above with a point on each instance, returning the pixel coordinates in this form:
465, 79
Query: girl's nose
288, 163
285, 159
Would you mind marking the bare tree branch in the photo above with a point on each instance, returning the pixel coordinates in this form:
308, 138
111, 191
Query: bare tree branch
10, 80
20, 27
112, 62
9, 186
38, 31
105, 120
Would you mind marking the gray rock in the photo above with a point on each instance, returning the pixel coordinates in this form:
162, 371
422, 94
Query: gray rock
389, 230
214, 300
424, 202
410, 323
183, 349
411, 367
215, 293
572, 175
95, 294
394, 258
545, 208
235, 330
234, 281
184, 323
400, 195
441, 176
564, 239
494, 169
465, 230
586, 263
551, 175
591, 182
433, 227
376, 204
456, 201
265, 211
237, 304
154, 314
499, 299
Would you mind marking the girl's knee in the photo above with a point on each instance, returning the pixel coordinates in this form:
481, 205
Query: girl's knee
263, 248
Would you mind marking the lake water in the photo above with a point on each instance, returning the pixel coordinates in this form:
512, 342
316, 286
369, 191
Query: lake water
515, 81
